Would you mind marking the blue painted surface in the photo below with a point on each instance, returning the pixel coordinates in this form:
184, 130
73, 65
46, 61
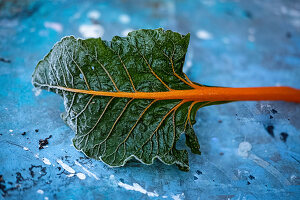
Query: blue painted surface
247, 43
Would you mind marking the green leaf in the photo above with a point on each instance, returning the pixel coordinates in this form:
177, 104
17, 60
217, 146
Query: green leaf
98, 80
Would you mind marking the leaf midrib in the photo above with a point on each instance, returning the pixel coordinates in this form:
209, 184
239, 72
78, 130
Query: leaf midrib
201, 93
189, 95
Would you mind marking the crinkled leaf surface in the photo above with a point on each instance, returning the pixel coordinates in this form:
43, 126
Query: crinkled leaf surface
112, 128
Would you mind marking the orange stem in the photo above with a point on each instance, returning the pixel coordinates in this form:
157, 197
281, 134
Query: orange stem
207, 94
250, 94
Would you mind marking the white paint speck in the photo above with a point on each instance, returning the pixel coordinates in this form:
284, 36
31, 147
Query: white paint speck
293, 177
10, 130
138, 188
283, 9
204, 35
54, 26
70, 175
40, 191
188, 65
44, 33
126, 31
294, 13
46, 198
90, 174
178, 196
244, 148
76, 16
26, 148
46, 161
208, 2
270, 168
251, 31
189, 61
125, 19
91, 30
94, 14
81, 176
251, 38
65, 166
225, 40
296, 23
290, 12
112, 177
164, 197
36, 91
36, 155
152, 194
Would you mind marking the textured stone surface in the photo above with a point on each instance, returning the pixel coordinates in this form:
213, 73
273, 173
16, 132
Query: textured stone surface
236, 43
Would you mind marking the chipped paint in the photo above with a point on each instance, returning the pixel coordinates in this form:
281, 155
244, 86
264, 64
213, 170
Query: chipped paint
125, 19
54, 26
94, 14
40, 191
89, 173
178, 196
26, 148
91, 30
204, 35
138, 188
81, 176
65, 166
244, 148
46, 161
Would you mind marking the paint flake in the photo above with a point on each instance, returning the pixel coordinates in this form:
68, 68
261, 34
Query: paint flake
65, 166
46, 161
138, 188
40, 191
81, 176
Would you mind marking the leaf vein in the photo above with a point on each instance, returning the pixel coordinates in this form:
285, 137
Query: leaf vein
133, 127
84, 77
165, 116
106, 106
84, 108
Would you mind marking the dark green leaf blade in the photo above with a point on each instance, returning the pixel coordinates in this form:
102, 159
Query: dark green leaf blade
115, 129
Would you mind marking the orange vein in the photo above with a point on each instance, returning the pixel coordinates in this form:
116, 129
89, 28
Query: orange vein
116, 121
174, 132
156, 74
190, 83
163, 119
108, 74
104, 110
141, 115
203, 94
127, 73
84, 108
85, 80
189, 114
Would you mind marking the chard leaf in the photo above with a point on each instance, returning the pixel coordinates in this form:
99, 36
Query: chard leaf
115, 95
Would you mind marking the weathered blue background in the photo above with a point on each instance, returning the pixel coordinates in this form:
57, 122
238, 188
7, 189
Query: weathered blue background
233, 43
